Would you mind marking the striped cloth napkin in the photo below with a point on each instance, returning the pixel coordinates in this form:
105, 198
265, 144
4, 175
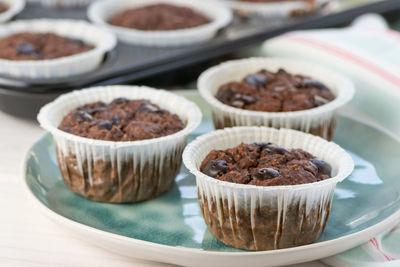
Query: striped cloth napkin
369, 52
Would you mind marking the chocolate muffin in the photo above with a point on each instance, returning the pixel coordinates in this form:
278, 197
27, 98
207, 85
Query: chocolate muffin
265, 164
159, 17
121, 179
121, 120
3, 7
275, 92
40, 46
274, 99
260, 196
119, 145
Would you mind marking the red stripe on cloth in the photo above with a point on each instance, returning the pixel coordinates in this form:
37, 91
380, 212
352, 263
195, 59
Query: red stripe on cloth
393, 34
349, 56
394, 229
388, 32
374, 242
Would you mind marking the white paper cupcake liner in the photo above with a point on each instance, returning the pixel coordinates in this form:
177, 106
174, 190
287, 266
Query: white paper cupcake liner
103, 41
100, 12
14, 7
232, 211
274, 10
119, 171
320, 118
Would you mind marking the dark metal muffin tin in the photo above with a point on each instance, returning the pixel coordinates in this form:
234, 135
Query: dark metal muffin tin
128, 63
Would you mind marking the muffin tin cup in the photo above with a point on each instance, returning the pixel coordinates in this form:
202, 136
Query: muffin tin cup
14, 7
63, 3
274, 10
318, 121
100, 12
103, 41
266, 217
109, 171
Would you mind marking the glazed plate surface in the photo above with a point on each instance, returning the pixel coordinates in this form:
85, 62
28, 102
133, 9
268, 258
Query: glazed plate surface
170, 228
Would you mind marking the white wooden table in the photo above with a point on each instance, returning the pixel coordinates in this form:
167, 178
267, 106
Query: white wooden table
28, 238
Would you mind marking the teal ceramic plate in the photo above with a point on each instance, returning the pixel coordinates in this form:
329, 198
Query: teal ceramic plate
171, 228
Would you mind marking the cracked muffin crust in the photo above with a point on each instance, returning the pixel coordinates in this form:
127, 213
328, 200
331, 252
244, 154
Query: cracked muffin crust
121, 120
159, 17
275, 92
40, 46
265, 164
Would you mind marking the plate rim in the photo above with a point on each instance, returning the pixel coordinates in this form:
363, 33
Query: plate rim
349, 241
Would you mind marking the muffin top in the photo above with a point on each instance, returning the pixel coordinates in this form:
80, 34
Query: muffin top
159, 17
39, 46
275, 92
3, 7
264, 164
121, 120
